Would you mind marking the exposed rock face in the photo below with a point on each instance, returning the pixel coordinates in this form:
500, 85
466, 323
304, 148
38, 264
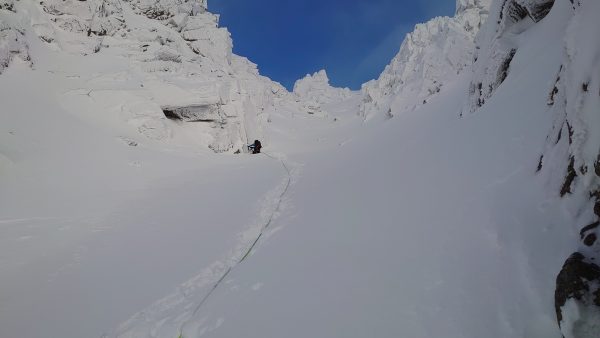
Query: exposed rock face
314, 92
195, 113
577, 298
430, 57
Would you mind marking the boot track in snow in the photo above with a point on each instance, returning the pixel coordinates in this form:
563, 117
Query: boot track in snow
159, 320
264, 228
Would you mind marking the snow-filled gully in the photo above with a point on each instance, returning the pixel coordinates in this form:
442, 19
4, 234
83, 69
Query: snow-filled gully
265, 227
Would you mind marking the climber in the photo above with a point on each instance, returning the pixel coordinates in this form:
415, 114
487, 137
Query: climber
255, 147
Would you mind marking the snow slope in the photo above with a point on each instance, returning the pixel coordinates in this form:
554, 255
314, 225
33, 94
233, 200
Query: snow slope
105, 203
453, 219
429, 225
93, 228
434, 224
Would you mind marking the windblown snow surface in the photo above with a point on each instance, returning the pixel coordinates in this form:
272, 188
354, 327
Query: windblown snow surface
118, 222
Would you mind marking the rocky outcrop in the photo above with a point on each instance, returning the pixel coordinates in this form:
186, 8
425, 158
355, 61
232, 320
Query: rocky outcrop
570, 159
574, 139
577, 298
573, 148
430, 57
194, 113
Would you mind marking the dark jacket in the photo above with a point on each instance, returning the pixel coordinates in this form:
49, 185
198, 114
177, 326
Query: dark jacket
256, 148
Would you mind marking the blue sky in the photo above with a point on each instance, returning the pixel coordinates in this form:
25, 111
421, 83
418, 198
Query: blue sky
352, 39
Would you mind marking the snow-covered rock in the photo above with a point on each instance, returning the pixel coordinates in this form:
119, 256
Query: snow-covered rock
177, 54
578, 298
430, 57
573, 154
314, 92
12, 40
165, 9
496, 46
570, 159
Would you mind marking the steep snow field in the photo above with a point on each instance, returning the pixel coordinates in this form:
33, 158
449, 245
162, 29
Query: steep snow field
93, 229
441, 219
429, 225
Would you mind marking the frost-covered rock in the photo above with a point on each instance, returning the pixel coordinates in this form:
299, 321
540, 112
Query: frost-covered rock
94, 17
165, 9
178, 55
496, 47
12, 39
574, 150
570, 160
107, 18
571, 157
574, 141
314, 92
430, 57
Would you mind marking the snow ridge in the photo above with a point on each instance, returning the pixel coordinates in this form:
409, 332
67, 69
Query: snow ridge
430, 58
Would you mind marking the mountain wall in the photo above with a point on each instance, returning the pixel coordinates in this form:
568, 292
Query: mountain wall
570, 160
430, 57
489, 42
170, 46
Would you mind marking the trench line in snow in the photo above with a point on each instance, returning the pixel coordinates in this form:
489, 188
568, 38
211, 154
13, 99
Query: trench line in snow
254, 243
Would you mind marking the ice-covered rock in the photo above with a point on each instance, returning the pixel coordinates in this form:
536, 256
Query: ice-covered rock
314, 92
107, 18
578, 298
495, 44
12, 40
570, 160
165, 9
316, 87
176, 51
430, 57
573, 153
